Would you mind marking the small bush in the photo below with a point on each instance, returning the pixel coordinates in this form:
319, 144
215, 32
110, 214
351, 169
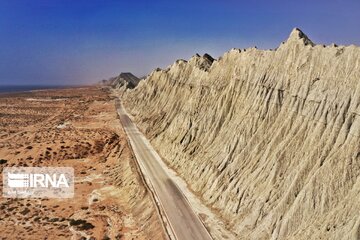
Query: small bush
81, 224
3, 161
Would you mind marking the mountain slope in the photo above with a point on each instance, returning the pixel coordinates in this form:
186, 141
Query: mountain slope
269, 138
126, 79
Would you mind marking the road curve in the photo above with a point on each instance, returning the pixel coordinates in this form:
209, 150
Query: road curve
184, 223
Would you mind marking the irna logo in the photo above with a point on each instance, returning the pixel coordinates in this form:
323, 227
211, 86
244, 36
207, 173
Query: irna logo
16, 180
38, 182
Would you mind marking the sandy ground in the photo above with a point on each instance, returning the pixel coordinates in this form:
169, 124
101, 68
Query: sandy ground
77, 128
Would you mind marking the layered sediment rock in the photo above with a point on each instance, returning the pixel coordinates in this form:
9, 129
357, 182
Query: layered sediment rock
270, 138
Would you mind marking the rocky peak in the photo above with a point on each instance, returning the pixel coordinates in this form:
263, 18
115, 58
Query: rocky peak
126, 79
203, 62
297, 36
208, 57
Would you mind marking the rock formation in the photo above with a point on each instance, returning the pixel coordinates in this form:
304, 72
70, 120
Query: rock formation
269, 138
124, 80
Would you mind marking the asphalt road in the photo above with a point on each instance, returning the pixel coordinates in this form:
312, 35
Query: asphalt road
185, 224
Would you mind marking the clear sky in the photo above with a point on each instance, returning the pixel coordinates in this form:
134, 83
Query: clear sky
83, 41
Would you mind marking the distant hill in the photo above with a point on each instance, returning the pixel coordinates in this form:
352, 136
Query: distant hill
127, 80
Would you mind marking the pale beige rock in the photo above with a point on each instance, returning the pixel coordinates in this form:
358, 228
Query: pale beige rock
269, 138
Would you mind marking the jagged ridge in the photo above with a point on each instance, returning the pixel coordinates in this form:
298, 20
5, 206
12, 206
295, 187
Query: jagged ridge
270, 138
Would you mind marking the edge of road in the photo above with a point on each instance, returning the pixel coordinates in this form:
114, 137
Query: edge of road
168, 233
159, 159
142, 170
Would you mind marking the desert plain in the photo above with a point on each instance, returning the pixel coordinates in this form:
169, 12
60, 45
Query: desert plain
76, 128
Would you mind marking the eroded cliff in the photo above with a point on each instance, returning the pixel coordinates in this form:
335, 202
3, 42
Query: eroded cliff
270, 138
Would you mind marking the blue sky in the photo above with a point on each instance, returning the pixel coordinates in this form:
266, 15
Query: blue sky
83, 41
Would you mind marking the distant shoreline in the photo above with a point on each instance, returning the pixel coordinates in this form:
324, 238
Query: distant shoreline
7, 90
